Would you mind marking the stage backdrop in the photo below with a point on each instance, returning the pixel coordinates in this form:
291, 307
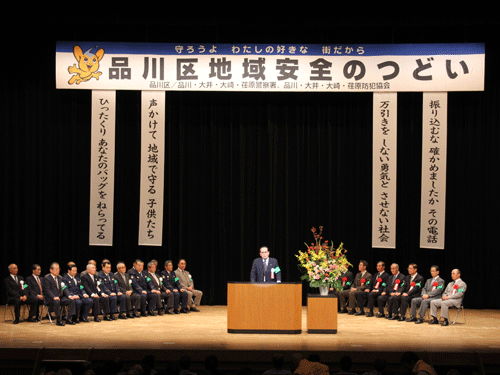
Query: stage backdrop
242, 169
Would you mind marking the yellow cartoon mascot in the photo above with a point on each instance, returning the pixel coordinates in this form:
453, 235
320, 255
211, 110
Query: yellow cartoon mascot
88, 65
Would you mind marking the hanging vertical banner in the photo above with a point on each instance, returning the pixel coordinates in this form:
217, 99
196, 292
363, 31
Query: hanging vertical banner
152, 167
384, 170
434, 151
102, 167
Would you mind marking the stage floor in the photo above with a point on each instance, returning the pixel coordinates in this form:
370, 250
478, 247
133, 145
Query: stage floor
206, 332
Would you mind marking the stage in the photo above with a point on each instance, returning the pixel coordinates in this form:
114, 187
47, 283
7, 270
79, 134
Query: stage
475, 342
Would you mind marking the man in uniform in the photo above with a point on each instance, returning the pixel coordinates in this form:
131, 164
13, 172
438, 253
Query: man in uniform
452, 296
432, 289
17, 294
140, 286
109, 287
359, 284
74, 290
372, 290
171, 282
54, 295
411, 289
132, 299
35, 292
186, 283
394, 284
265, 269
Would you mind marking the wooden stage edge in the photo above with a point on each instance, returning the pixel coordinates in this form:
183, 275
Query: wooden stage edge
168, 337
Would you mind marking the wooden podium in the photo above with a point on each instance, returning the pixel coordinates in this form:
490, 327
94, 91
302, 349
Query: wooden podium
321, 313
264, 307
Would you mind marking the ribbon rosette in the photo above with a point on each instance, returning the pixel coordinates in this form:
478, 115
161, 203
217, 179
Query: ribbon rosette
455, 287
344, 280
363, 281
396, 285
379, 280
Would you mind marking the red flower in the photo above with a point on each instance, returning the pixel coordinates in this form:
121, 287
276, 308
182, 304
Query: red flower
344, 278
379, 280
398, 281
455, 286
412, 283
435, 283
363, 281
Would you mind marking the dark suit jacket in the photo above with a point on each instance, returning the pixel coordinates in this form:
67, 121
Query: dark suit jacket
169, 280
153, 285
139, 282
357, 281
348, 283
124, 286
108, 284
384, 277
72, 287
257, 273
415, 290
51, 289
13, 289
33, 288
391, 282
89, 285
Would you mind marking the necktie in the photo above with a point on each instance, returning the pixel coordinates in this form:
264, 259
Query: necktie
39, 283
17, 281
57, 284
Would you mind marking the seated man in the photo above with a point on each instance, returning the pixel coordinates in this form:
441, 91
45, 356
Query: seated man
359, 284
132, 299
92, 288
171, 282
35, 292
394, 283
186, 283
140, 286
158, 290
411, 288
73, 289
346, 282
54, 296
109, 287
17, 294
432, 289
372, 290
452, 296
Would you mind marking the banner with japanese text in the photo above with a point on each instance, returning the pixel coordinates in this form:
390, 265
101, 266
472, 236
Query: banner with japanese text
384, 170
152, 168
102, 167
270, 67
434, 154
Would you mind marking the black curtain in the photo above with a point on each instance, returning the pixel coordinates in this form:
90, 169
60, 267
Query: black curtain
244, 169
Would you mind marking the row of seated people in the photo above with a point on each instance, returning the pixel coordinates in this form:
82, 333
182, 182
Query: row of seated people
120, 295
397, 292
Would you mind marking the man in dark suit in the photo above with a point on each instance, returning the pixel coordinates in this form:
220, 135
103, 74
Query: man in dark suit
17, 294
412, 286
109, 287
346, 280
265, 269
132, 299
74, 290
159, 290
140, 286
35, 292
432, 289
171, 283
54, 295
92, 287
358, 284
373, 290
394, 283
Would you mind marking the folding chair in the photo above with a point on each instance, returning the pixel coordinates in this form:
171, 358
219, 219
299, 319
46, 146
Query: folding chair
461, 307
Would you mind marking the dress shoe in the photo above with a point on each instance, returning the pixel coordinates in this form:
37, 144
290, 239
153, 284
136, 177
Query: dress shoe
412, 319
176, 312
107, 318
419, 321
388, 316
144, 314
394, 317
85, 320
113, 317
32, 319
16, 321
185, 311
75, 320
380, 315
401, 319
351, 312
359, 313
151, 313
160, 312
433, 321
60, 322
343, 311
70, 322
122, 316
130, 316
194, 309
169, 312
369, 314
96, 319
137, 314
445, 322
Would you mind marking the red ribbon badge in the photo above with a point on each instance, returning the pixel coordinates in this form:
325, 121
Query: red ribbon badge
344, 279
363, 281
434, 285
455, 287
396, 286
379, 280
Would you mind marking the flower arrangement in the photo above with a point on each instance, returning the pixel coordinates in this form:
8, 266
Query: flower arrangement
323, 263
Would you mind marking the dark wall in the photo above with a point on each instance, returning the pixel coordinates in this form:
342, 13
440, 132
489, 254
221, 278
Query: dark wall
243, 169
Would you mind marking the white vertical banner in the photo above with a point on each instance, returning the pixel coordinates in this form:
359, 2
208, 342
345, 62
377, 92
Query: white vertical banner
102, 167
152, 167
384, 170
434, 152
